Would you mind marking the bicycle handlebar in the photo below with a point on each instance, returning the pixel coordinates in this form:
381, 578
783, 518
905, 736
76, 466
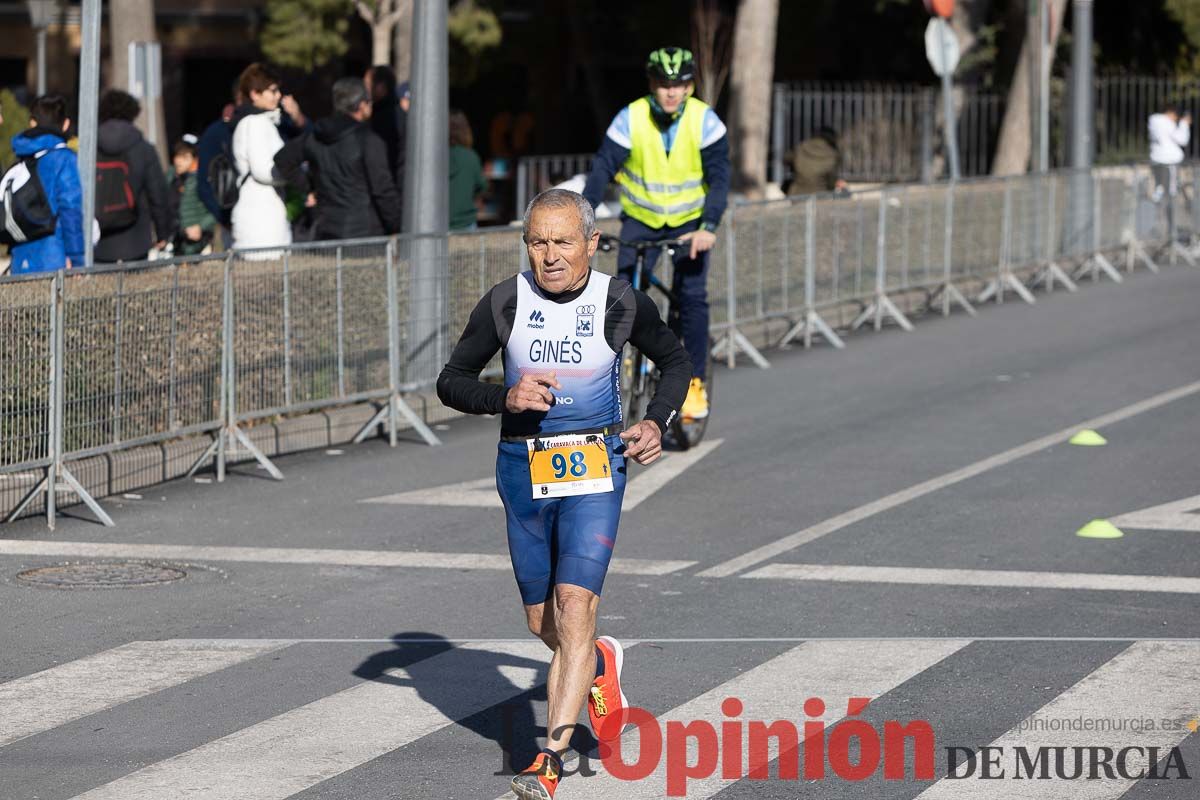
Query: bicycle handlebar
608, 242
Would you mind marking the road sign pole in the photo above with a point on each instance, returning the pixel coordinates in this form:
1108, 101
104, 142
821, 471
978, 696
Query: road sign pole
89, 90
1044, 59
948, 102
1081, 90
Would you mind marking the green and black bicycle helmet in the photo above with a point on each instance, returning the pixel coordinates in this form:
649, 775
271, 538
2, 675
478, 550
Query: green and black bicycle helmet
671, 64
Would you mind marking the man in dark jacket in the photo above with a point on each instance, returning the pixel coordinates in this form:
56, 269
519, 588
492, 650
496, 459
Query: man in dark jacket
347, 167
389, 117
127, 233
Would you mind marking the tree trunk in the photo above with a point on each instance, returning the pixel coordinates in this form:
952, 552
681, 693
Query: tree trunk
133, 21
1015, 147
381, 43
750, 92
381, 16
402, 52
710, 44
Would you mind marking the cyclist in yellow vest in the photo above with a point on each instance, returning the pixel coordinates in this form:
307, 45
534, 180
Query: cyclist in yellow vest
669, 154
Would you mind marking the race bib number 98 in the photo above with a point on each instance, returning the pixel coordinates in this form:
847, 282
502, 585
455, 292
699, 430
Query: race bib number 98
564, 466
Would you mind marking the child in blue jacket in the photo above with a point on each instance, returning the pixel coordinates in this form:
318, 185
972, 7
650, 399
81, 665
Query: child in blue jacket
58, 169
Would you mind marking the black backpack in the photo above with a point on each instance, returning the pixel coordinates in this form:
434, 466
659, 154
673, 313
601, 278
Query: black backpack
223, 178
25, 213
116, 202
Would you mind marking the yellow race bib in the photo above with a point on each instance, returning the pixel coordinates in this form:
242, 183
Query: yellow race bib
568, 465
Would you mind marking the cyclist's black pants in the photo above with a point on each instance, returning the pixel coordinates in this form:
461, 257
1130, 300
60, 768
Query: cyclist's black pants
690, 284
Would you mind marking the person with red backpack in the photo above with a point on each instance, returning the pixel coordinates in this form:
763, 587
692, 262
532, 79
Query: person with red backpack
52, 171
132, 202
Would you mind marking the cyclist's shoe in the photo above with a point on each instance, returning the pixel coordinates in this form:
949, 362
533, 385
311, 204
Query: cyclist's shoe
606, 700
696, 404
538, 781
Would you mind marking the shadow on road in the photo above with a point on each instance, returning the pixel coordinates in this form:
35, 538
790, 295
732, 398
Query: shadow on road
453, 688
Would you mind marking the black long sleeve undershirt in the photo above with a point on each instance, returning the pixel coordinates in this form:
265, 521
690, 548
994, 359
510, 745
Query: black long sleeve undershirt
631, 316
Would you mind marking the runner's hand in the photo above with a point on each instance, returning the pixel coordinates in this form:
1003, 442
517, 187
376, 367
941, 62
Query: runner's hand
701, 241
532, 393
643, 442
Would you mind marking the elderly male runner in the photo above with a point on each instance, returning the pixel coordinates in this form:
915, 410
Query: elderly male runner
560, 469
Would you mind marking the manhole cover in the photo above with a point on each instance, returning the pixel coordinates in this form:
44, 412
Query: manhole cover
101, 576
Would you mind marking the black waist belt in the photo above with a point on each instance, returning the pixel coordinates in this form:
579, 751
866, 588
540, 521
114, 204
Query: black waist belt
608, 430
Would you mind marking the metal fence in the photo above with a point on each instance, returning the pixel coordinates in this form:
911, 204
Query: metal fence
107, 360
538, 173
885, 133
891, 133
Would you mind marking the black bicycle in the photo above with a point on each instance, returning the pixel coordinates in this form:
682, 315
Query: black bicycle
639, 376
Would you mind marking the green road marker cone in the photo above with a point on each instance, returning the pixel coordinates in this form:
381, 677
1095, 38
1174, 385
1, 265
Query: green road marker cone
1087, 439
1099, 529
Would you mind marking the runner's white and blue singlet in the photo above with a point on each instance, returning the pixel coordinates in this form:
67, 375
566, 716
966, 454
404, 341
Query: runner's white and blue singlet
579, 336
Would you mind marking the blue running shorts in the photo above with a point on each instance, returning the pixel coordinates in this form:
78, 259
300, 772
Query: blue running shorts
561, 539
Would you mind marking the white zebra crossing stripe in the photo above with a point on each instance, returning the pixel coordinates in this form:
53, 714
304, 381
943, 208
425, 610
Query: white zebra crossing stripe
55, 696
776, 690
1149, 681
302, 747
303, 555
1179, 515
925, 576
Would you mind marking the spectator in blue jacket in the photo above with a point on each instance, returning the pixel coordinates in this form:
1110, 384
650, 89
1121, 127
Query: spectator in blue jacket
58, 170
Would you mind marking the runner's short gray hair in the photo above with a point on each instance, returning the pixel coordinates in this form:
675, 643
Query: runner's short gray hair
562, 198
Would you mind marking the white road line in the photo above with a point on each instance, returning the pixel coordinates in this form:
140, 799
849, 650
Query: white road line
297, 555
646, 566
481, 493
658, 475
1145, 682
792, 541
1172, 516
923, 576
776, 690
298, 749
55, 696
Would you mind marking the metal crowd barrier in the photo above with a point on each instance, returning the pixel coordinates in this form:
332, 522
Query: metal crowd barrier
536, 174
112, 359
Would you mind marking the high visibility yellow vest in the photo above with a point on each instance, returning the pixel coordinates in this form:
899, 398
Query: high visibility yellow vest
659, 189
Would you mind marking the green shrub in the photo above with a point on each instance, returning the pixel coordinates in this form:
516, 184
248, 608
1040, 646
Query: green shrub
16, 119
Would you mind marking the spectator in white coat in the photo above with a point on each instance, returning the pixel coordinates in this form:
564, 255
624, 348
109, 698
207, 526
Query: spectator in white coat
260, 216
1169, 135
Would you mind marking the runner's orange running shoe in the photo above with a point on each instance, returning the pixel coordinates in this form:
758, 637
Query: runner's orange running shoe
538, 781
606, 698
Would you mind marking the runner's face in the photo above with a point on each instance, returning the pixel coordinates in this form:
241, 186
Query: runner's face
558, 252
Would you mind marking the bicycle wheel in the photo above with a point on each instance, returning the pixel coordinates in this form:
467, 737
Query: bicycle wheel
690, 433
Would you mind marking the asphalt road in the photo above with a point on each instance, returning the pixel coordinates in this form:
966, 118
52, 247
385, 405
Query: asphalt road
866, 527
